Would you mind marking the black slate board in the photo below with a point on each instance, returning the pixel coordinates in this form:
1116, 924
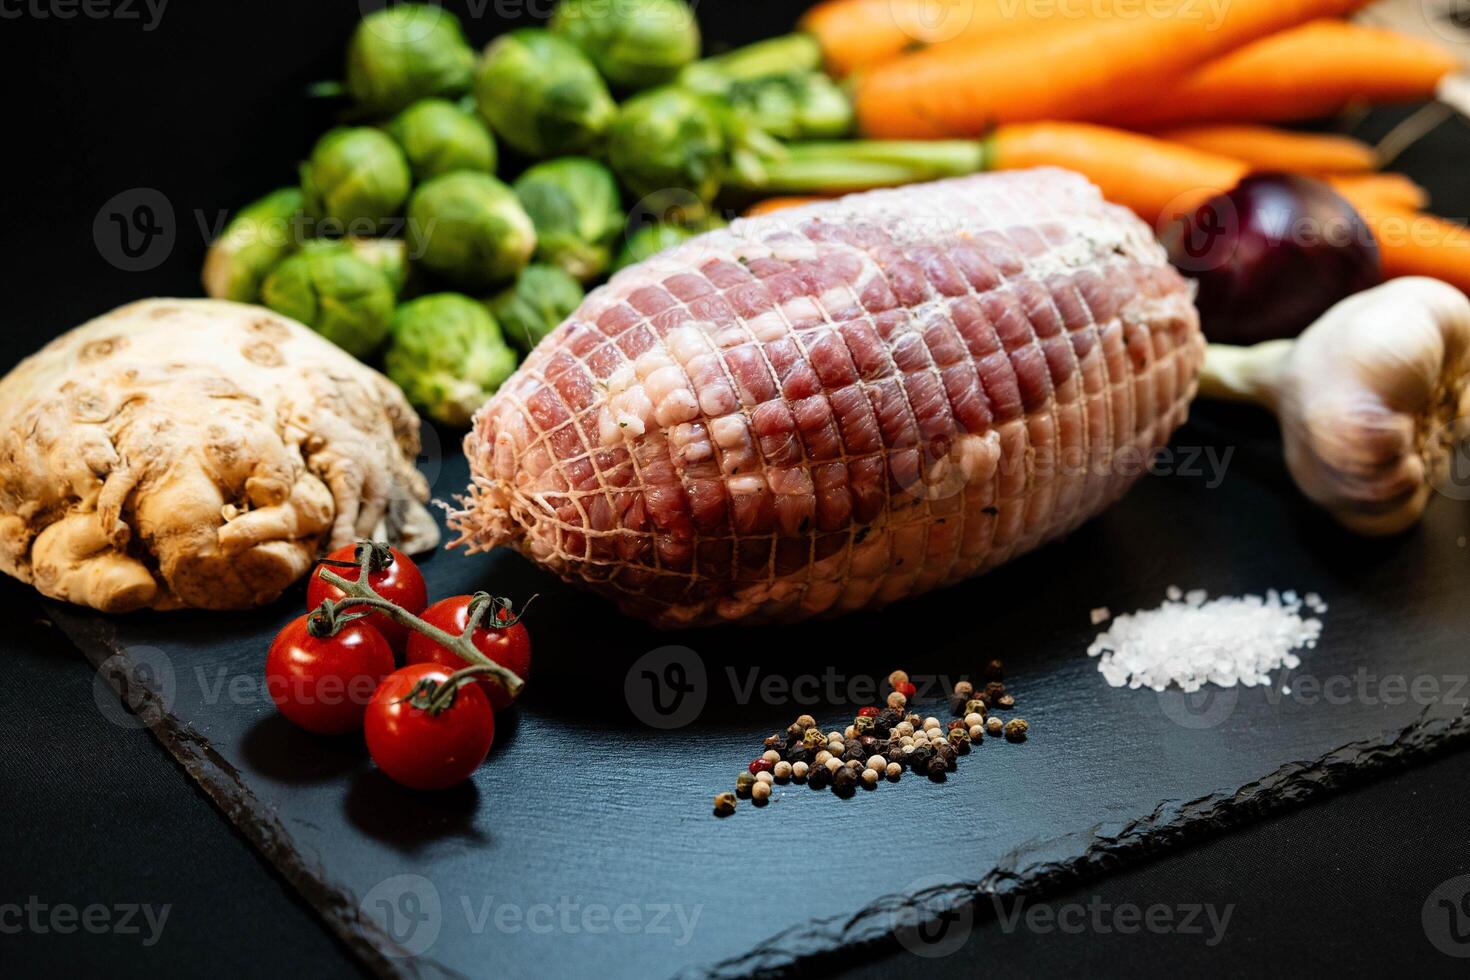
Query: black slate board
586, 844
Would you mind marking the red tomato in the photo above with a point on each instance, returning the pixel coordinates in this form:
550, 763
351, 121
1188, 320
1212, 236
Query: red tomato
423, 750
400, 583
509, 647
324, 683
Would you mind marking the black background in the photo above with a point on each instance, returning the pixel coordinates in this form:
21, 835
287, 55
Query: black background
208, 109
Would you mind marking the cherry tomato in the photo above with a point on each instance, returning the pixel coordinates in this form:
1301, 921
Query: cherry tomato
324, 683
510, 647
425, 750
400, 582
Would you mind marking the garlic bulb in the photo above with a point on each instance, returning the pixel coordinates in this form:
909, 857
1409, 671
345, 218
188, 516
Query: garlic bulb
1372, 399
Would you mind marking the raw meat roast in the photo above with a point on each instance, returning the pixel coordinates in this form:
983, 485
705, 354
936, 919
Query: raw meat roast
841, 405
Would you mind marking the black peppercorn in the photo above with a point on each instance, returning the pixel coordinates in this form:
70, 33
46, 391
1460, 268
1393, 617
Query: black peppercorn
854, 751
844, 782
957, 703
918, 759
994, 670
794, 733
818, 777
798, 754
936, 769
775, 742
869, 744
945, 752
993, 691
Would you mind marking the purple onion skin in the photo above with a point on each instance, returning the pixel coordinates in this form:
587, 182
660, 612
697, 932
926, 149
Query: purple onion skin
1271, 256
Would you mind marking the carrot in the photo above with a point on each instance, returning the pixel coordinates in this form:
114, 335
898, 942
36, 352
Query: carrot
856, 34
1081, 70
1155, 178
1383, 190
773, 204
1412, 243
1265, 148
1314, 70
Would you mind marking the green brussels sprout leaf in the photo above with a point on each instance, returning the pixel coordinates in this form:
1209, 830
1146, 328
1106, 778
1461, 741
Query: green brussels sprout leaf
439, 138
258, 237
575, 205
448, 356
636, 44
542, 297
541, 95
404, 53
469, 228
337, 294
356, 178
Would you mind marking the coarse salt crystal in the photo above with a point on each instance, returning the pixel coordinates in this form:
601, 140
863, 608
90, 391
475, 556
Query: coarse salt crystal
1192, 640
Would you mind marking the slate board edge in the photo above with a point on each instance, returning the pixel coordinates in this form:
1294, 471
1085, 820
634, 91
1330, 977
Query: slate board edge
807, 946
96, 639
1088, 852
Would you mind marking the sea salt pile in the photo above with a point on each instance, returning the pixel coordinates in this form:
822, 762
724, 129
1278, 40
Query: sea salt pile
1192, 640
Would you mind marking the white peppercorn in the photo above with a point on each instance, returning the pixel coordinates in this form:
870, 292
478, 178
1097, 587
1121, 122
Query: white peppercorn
771, 756
870, 778
760, 792
820, 759
897, 677
833, 764
807, 721
782, 771
877, 762
798, 771
763, 777
893, 770
974, 718
930, 723
897, 701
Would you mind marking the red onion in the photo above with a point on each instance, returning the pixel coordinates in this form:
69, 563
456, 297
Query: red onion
1271, 256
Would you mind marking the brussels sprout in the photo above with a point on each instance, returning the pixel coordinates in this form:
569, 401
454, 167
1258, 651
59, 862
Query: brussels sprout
356, 177
575, 205
542, 297
654, 238
404, 53
668, 144
541, 95
388, 255
634, 43
438, 138
796, 106
258, 237
448, 356
773, 56
469, 228
337, 294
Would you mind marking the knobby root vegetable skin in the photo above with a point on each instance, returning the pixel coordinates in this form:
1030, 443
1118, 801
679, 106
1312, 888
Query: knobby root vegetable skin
1316, 70
197, 453
840, 405
1157, 179
1268, 148
1370, 398
1083, 70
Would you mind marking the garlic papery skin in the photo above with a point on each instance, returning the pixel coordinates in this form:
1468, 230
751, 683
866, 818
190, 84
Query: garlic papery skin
1372, 399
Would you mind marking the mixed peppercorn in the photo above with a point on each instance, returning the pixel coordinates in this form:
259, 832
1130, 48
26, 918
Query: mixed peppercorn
881, 743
